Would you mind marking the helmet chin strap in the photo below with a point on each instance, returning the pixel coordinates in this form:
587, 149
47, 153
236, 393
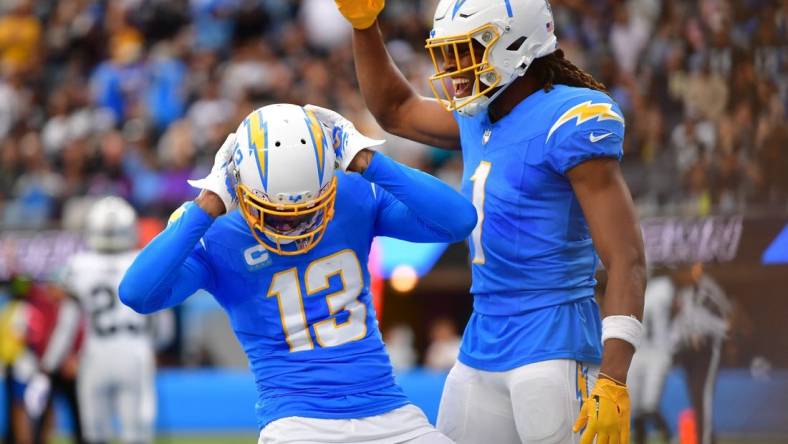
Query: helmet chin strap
482, 103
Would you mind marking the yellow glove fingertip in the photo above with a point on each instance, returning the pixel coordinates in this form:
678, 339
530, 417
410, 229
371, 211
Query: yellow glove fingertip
579, 424
582, 418
587, 437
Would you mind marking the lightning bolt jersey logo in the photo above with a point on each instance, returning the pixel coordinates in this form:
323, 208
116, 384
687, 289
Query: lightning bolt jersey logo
585, 112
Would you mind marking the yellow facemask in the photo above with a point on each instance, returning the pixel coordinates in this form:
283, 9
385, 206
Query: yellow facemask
259, 213
448, 51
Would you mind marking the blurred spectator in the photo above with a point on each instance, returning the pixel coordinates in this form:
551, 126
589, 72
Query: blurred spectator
119, 81
706, 94
326, 28
111, 178
692, 140
210, 116
36, 189
212, 22
166, 97
20, 37
444, 345
702, 85
399, 346
628, 36
13, 103
177, 152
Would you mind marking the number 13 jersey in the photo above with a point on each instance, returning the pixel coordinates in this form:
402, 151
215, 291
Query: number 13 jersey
306, 322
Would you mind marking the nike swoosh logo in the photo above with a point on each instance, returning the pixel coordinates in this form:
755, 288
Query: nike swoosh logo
595, 139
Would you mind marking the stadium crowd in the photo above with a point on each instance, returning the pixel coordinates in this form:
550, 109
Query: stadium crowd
132, 97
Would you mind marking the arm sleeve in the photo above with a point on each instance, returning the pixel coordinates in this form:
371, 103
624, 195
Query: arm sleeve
581, 146
173, 266
417, 207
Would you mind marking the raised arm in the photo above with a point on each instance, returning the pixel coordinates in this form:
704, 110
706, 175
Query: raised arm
172, 267
413, 205
393, 101
389, 96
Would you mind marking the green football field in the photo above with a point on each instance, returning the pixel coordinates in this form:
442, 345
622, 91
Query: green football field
251, 439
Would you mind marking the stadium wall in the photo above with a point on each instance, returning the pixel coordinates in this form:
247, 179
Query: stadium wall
222, 401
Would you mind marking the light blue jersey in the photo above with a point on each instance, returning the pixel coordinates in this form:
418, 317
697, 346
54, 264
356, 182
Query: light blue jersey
533, 261
306, 322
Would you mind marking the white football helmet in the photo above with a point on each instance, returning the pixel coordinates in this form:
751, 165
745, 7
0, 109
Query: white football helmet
111, 225
285, 181
512, 32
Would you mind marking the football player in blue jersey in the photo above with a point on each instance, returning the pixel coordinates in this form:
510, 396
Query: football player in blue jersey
540, 141
286, 262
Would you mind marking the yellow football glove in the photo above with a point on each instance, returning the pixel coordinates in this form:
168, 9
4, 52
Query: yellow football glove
360, 13
605, 414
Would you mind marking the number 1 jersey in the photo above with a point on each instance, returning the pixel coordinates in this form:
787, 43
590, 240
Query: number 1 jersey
533, 260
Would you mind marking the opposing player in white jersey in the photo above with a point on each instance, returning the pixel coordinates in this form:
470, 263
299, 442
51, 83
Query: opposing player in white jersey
117, 367
653, 359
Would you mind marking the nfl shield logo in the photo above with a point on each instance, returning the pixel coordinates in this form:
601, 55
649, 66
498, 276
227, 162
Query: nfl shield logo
486, 136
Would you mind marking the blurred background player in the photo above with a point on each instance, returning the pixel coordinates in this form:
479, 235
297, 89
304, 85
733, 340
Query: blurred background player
541, 140
55, 336
702, 312
18, 364
286, 266
117, 363
444, 345
653, 359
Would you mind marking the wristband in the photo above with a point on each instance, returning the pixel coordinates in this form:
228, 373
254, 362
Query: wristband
606, 376
626, 328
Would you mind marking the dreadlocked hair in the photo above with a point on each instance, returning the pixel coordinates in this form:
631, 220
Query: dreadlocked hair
554, 69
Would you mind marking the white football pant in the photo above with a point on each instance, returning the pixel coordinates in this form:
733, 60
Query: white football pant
117, 383
646, 378
405, 425
533, 404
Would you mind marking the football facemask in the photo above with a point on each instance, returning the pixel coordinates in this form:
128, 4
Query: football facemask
457, 66
302, 225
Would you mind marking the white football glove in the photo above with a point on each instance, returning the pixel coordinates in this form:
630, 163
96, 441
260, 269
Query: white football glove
36, 394
345, 137
221, 179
